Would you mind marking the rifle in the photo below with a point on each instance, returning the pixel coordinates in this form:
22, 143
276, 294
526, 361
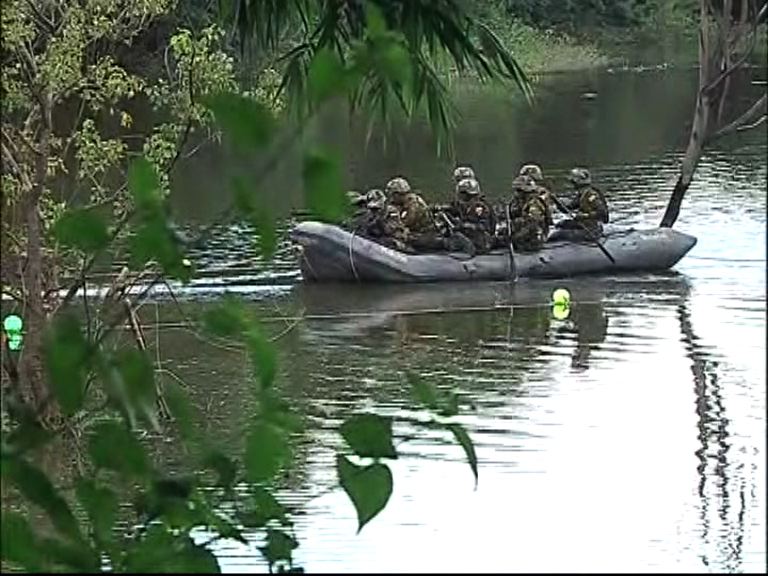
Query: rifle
590, 235
441, 213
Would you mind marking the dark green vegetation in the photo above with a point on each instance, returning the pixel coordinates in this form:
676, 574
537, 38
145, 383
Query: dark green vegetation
75, 374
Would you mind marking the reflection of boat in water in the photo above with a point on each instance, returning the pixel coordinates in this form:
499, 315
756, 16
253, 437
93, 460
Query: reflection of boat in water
330, 253
359, 307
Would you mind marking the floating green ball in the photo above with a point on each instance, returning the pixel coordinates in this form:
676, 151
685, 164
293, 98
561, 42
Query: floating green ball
561, 297
14, 341
12, 323
560, 311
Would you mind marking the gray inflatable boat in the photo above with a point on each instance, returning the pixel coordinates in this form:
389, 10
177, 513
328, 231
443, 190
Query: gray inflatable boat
329, 253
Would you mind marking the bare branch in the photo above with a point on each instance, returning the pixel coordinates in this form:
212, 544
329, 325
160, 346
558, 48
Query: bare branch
40, 18
738, 64
742, 121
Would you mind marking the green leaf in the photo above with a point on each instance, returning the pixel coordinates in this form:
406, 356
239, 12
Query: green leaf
265, 508
264, 223
277, 411
83, 229
225, 529
369, 435
449, 404
65, 352
144, 186
138, 378
267, 504
114, 448
326, 76
266, 450
375, 24
258, 215
323, 189
228, 319
170, 500
424, 392
181, 408
17, 542
154, 240
279, 547
76, 558
160, 551
263, 356
466, 443
28, 435
246, 122
393, 61
369, 487
35, 486
223, 466
101, 506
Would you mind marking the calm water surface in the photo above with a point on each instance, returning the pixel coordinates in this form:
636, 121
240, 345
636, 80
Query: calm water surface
629, 437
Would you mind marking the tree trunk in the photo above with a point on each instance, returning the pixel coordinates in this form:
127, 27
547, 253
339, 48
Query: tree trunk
33, 384
701, 119
717, 62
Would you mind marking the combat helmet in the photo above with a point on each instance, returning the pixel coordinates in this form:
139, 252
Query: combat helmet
468, 187
580, 177
533, 171
376, 199
462, 172
397, 187
524, 184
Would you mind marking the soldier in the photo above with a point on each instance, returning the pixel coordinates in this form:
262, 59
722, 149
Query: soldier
462, 172
476, 218
383, 223
529, 215
359, 216
413, 210
589, 203
534, 172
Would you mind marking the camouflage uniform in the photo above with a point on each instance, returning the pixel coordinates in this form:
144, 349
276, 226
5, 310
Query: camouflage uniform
589, 203
384, 224
477, 220
530, 216
413, 211
534, 172
360, 212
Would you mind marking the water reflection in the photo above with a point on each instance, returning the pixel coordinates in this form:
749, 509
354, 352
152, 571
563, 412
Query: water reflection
630, 436
716, 483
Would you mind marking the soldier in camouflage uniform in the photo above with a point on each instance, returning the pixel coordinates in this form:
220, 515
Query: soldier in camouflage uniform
461, 173
476, 219
534, 172
423, 234
383, 223
530, 216
359, 216
588, 202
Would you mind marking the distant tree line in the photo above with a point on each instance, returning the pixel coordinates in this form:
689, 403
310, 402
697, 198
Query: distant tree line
583, 14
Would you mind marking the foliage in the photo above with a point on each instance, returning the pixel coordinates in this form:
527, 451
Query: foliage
393, 44
579, 14
60, 54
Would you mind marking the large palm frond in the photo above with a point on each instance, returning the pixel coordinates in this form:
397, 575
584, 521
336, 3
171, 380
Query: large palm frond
423, 30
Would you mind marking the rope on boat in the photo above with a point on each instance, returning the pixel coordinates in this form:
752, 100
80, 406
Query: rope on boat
351, 259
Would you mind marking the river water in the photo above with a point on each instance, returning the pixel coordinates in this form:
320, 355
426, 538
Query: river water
629, 437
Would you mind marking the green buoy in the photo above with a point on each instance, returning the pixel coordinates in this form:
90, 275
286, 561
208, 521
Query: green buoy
13, 325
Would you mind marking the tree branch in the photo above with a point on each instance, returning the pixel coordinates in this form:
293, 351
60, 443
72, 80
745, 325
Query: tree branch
754, 111
707, 90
